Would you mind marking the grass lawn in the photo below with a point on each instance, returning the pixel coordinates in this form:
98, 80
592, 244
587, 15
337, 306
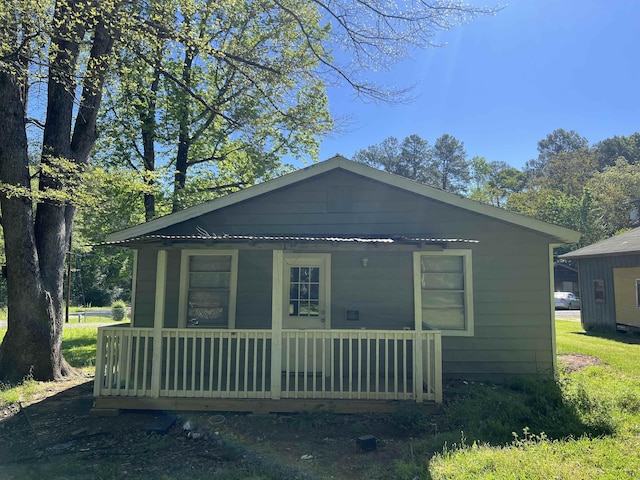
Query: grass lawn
604, 397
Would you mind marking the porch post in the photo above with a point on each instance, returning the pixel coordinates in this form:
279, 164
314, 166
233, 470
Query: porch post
134, 287
437, 358
418, 377
276, 323
158, 322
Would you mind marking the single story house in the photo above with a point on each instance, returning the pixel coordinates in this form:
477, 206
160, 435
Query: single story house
338, 284
609, 274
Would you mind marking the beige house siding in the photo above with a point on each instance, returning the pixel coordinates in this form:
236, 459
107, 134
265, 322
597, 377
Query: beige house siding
624, 280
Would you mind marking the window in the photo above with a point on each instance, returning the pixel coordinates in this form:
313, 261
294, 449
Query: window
208, 289
304, 290
637, 293
443, 291
598, 291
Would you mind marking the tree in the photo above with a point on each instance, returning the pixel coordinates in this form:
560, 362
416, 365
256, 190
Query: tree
616, 193
609, 150
576, 213
450, 165
443, 166
494, 182
36, 242
568, 172
67, 44
480, 170
233, 116
557, 142
410, 159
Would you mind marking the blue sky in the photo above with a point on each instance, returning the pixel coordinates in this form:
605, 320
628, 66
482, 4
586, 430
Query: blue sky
503, 82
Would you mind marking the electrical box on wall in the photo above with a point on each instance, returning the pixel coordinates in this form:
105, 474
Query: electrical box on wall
352, 315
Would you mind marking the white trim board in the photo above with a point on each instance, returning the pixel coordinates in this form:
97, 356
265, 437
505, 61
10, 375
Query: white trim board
338, 162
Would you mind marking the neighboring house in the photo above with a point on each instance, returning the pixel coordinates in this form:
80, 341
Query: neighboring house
565, 278
609, 273
338, 284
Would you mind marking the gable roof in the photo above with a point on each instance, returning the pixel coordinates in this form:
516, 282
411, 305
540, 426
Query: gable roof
559, 234
627, 243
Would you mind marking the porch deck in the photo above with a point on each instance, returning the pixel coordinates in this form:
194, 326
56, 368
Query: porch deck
219, 366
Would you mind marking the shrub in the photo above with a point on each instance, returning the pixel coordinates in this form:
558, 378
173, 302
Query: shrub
118, 311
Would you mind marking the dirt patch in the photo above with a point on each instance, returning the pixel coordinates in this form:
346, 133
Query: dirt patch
57, 437
577, 361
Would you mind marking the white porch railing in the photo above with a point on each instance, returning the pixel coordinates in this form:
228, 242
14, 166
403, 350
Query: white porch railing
312, 364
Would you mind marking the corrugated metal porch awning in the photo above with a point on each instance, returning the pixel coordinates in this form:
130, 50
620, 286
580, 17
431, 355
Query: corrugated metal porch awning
252, 238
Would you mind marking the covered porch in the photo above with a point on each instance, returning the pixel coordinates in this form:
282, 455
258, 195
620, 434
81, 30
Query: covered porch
204, 368
299, 359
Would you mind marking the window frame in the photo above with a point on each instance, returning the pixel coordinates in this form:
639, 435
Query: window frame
596, 282
466, 255
184, 284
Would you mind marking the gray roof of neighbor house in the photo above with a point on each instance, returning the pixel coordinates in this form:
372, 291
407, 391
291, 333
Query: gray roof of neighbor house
627, 243
559, 234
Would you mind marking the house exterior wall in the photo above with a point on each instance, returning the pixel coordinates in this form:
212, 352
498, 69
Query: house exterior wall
624, 280
253, 307
601, 315
145, 288
512, 306
382, 292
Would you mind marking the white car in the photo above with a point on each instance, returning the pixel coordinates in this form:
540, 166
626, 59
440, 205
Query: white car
566, 300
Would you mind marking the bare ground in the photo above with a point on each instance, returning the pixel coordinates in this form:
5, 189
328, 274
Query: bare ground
577, 361
55, 436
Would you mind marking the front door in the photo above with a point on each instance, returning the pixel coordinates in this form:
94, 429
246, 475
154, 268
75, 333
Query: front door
306, 306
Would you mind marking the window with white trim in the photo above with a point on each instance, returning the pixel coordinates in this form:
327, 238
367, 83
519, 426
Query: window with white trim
208, 289
443, 287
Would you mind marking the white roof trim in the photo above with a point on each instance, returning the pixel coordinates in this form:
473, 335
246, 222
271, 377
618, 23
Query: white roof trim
560, 233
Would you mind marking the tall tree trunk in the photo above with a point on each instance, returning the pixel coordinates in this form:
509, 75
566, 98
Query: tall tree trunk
148, 121
184, 141
35, 247
29, 344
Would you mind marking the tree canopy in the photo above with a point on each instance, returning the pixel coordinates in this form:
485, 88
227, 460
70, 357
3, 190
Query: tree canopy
443, 165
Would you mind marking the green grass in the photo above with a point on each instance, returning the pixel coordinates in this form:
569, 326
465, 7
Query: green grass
79, 346
604, 398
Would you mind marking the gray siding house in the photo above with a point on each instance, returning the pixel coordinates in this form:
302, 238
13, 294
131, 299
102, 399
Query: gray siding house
609, 274
337, 284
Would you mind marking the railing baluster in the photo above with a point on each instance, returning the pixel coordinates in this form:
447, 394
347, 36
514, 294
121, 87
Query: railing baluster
238, 363
263, 386
246, 364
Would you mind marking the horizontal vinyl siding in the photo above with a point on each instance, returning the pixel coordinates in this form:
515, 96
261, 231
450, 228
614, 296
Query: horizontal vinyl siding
513, 313
382, 292
253, 305
172, 292
145, 288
